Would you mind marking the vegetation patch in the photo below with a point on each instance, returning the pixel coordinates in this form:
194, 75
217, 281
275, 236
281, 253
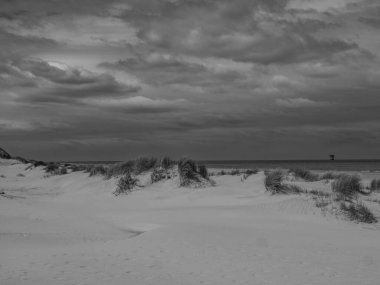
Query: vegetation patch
375, 185
304, 174
98, 170
142, 164
187, 170
347, 187
330, 176
160, 174
274, 181
357, 212
125, 184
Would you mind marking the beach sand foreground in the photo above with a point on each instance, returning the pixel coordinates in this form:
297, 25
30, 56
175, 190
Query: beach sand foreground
70, 229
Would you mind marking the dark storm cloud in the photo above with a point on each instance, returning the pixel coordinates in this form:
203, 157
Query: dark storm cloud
214, 78
159, 69
59, 83
256, 31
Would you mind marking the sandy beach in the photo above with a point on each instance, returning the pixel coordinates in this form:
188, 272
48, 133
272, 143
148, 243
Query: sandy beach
71, 229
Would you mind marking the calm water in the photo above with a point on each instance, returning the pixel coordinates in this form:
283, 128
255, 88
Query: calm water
346, 165
342, 165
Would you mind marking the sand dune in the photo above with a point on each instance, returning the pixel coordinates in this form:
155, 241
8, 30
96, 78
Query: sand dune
70, 229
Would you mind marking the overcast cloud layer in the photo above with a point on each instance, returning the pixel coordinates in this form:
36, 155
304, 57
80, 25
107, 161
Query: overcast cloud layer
210, 79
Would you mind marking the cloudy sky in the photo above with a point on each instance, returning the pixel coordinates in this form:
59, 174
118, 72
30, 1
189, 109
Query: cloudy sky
209, 79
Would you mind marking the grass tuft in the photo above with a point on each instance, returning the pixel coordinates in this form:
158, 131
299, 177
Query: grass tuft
358, 212
305, 174
375, 185
125, 184
347, 187
98, 170
143, 164
187, 170
273, 181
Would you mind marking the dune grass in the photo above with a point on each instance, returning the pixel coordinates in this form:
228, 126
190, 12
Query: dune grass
347, 187
187, 170
273, 181
125, 184
375, 185
304, 174
358, 212
235, 171
330, 176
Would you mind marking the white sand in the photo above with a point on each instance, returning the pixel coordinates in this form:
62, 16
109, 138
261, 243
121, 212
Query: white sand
70, 229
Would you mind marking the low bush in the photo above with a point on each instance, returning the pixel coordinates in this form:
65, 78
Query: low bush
125, 184
38, 163
347, 187
2, 176
251, 171
159, 174
358, 212
119, 169
20, 175
77, 167
187, 170
142, 164
51, 167
166, 162
330, 176
304, 174
98, 170
375, 185
273, 181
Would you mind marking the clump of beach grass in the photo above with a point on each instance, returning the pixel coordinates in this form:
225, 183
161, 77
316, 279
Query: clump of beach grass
375, 185
98, 170
304, 174
187, 170
125, 184
159, 174
273, 181
330, 176
119, 169
142, 164
166, 162
357, 212
347, 187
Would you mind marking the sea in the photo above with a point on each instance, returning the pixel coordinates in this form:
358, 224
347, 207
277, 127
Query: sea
363, 165
325, 165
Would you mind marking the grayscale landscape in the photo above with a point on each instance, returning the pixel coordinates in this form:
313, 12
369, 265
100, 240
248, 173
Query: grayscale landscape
189, 142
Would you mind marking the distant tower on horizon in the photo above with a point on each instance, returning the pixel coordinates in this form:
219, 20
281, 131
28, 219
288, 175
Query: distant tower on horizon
332, 156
